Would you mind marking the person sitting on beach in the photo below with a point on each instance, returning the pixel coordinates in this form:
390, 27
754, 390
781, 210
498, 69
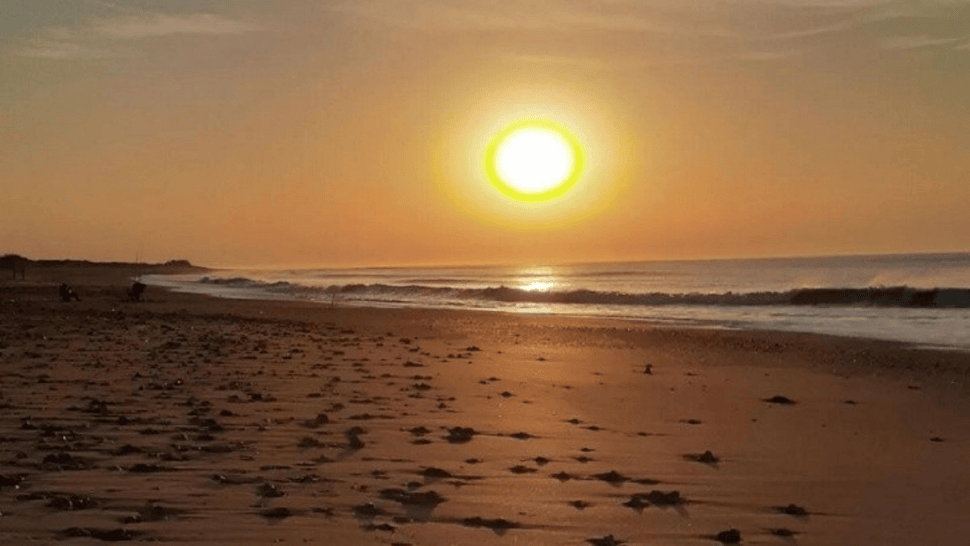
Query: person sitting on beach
67, 293
136, 290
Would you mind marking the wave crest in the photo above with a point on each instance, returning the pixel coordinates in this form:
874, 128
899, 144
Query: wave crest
900, 296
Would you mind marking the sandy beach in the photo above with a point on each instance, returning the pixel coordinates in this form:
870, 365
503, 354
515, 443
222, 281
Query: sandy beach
185, 419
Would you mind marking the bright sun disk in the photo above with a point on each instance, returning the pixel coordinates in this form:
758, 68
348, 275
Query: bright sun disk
533, 160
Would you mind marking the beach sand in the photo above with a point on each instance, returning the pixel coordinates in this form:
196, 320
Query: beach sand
191, 420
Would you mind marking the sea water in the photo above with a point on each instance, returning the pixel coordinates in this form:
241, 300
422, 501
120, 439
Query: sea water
919, 298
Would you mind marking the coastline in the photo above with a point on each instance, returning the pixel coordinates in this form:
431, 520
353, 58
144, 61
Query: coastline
106, 284
234, 388
892, 299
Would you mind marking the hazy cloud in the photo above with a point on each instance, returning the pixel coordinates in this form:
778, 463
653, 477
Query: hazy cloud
450, 15
47, 49
94, 39
921, 41
680, 31
161, 25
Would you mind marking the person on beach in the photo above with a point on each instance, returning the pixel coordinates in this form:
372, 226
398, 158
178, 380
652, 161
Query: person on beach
67, 293
136, 290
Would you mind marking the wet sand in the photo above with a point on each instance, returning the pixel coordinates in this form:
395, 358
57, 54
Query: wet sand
190, 420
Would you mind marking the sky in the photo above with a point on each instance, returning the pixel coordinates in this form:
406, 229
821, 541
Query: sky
352, 132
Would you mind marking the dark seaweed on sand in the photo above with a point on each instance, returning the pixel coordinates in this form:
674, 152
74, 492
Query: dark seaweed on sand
432, 472
707, 457
731, 536
152, 512
64, 461
460, 435
422, 498
269, 490
611, 477
380, 527
107, 535
608, 540
14, 481
276, 513
72, 502
791, 510
499, 523
657, 498
367, 510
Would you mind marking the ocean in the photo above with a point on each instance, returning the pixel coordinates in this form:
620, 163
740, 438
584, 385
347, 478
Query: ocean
918, 298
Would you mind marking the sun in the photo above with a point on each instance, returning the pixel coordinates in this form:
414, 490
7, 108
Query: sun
533, 160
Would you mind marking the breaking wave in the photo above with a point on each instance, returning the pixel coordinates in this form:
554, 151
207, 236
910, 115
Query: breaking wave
899, 296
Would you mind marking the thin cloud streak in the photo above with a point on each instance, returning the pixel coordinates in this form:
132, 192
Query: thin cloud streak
676, 32
535, 15
46, 49
94, 39
163, 25
711, 19
735, 25
922, 41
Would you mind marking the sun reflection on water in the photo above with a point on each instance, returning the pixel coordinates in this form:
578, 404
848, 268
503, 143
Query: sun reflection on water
539, 286
539, 279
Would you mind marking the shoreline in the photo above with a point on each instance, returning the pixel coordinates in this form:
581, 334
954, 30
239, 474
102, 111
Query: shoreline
106, 283
932, 318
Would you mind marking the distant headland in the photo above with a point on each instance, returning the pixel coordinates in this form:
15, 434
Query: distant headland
21, 266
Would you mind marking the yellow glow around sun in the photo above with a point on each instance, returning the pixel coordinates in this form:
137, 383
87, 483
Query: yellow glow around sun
533, 160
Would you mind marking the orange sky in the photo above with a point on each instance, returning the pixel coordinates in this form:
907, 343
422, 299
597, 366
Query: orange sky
351, 133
